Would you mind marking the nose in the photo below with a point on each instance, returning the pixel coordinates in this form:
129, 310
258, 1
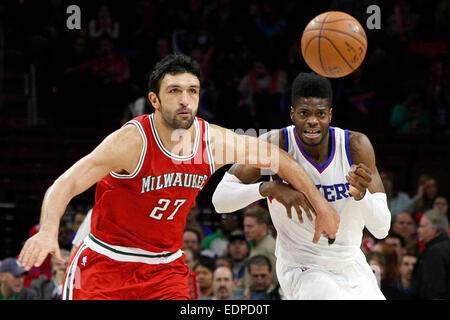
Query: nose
184, 99
312, 121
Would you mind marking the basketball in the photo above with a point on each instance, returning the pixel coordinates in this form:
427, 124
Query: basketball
334, 44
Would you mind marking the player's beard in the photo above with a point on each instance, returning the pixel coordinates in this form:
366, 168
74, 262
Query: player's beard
172, 118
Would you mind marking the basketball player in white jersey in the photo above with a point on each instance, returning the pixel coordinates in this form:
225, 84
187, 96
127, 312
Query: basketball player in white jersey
342, 165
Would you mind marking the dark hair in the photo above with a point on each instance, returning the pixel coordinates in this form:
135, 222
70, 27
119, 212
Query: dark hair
392, 234
260, 214
311, 85
259, 260
206, 262
172, 64
197, 233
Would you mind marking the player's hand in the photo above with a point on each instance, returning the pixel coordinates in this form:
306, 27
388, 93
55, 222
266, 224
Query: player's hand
359, 178
37, 248
288, 197
327, 224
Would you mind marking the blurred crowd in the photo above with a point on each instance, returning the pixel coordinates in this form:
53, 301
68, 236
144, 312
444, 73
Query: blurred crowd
250, 52
235, 259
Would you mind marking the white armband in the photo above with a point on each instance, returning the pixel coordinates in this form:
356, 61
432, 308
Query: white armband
232, 195
376, 214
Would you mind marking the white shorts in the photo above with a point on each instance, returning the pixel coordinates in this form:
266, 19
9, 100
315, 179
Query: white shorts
352, 281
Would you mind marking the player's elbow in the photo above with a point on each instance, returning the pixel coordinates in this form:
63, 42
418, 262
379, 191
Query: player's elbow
380, 233
219, 202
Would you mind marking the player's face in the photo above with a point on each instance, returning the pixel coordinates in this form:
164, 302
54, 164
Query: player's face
178, 99
311, 117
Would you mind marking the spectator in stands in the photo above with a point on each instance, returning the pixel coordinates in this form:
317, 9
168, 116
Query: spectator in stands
396, 199
83, 231
217, 242
411, 116
427, 190
104, 25
112, 72
402, 286
398, 242
65, 237
356, 92
11, 281
377, 262
261, 91
256, 224
238, 252
431, 276
223, 284
222, 262
192, 239
192, 222
191, 261
270, 27
405, 226
391, 268
260, 270
109, 66
440, 203
403, 22
77, 220
51, 289
205, 269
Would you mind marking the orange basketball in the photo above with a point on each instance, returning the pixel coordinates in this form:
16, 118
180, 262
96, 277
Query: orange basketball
334, 44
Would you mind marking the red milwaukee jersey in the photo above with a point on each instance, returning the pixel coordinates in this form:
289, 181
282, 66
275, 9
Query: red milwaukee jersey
147, 209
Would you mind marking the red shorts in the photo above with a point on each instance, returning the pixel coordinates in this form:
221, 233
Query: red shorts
95, 276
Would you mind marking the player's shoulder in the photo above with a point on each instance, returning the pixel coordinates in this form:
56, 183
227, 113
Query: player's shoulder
359, 145
130, 134
357, 137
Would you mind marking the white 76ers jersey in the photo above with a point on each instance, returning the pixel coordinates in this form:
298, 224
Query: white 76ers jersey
294, 240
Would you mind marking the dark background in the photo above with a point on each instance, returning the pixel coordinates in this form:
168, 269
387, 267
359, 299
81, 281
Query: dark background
51, 116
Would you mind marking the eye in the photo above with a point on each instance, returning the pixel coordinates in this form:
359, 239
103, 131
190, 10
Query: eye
303, 113
174, 90
193, 90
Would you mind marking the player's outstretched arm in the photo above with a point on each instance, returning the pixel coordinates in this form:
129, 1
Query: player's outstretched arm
239, 184
119, 152
229, 147
366, 186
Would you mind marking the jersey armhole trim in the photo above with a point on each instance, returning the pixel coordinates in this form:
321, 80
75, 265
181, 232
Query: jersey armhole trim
208, 149
286, 139
141, 158
347, 149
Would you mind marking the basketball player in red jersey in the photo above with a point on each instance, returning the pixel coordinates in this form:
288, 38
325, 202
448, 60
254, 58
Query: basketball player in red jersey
147, 180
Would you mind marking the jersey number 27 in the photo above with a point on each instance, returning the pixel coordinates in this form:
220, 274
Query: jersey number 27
158, 212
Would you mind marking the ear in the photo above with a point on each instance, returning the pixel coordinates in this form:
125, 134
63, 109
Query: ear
331, 113
154, 100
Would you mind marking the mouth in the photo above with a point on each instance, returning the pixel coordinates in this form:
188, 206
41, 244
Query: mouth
185, 114
311, 133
